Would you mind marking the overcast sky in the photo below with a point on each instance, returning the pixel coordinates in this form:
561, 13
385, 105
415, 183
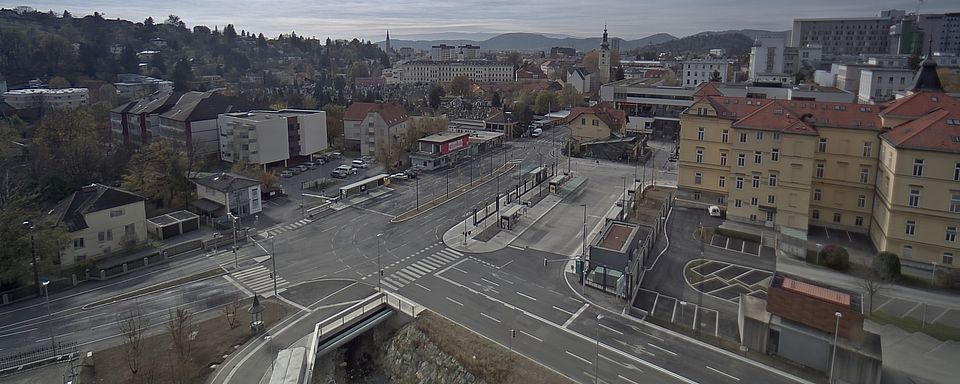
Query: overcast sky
367, 19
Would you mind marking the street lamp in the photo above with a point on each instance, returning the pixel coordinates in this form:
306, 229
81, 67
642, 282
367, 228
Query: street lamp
418, 194
379, 269
583, 251
33, 253
46, 295
836, 333
273, 258
596, 363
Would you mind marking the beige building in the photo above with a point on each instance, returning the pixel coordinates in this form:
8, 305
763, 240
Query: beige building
367, 125
478, 71
100, 221
596, 123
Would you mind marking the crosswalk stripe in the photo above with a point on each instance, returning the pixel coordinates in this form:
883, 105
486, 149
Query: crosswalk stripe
444, 258
402, 280
410, 275
455, 252
388, 285
422, 270
432, 263
421, 264
248, 272
393, 280
290, 226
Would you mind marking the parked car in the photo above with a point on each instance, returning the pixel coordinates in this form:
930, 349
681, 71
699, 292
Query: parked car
336, 155
320, 157
348, 169
368, 159
310, 164
413, 172
294, 170
286, 173
302, 168
715, 211
339, 174
399, 176
359, 164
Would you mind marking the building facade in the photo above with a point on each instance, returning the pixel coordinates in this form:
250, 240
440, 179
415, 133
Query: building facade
192, 121
225, 194
846, 36
478, 71
136, 123
100, 221
598, 122
265, 137
603, 60
695, 72
771, 60
440, 150
369, 125
883, 84
42, 98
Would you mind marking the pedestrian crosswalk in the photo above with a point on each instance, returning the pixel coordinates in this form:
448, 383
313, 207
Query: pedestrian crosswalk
224, 256
426, 265
281, 228
258, 280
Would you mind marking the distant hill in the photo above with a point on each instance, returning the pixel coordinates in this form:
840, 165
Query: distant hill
751, 33
533, 42
733, 43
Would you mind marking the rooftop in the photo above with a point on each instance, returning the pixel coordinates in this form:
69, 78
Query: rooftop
46, 91
444, 137
263, 115
91, 198
225, 182
937, 131
391, 113
616, 236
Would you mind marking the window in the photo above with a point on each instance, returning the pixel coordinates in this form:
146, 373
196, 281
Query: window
757, 157
820, 170
722, 181
771, 199
817, 194
753, 217
947, 258
956, 172
756, 181
743, 137
911, 227
723, 158
759, 135
116, 212
741, 159
739, 182
815, 214
737, 203
776, 136
864, 175
822, 145
105, 236
914, 200
773, 180
955, 202
836, 217
699, 134
918, 167
78, 243
696, 195
596, 123
775, 154
858, 221
951, 234
583, 121
725, 136
907, 252
699, 155
698, 178
753, 201
861, 201
867, 149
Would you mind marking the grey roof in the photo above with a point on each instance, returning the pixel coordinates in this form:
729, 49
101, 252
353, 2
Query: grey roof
225, 182
91, 198
927, 78
156, 103
196, 106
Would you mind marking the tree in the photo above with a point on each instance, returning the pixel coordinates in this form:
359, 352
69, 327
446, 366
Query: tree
334, 122
253, 171
160, 172
619, 75
434, 96
182, 75
835, 257
132, 326
591, 60
229, 32
913, 62
949, 79
546, 101
460, 86
157, 62
58, 82
886, 265
180, 328
68, 150
496, 101
387, 153
175, 21
569, 96
515, 59
230, 310
148, 22
106, 93
871, 284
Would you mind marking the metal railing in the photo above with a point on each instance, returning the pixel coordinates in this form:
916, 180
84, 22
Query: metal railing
36, 356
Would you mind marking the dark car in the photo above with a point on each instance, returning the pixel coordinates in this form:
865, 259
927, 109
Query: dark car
339, 174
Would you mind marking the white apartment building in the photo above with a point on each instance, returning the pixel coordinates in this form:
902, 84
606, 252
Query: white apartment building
468, 52
883, 84
444, 71
132, 85
265, 137
365, 125
46, 98
846, 36
695, 72
771, 60
443, 52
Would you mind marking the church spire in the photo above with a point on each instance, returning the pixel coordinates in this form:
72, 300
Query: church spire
387, 42
605, 44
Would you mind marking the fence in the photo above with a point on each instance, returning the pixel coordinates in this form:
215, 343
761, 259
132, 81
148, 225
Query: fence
35, 357
492, 208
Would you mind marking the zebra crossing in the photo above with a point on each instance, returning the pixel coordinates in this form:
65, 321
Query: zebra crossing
281, 228
258, 280
407, 275
223, 256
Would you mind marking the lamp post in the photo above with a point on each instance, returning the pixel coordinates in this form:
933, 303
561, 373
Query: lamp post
33, 254
448, 181
836, 333
596, 362
418, 194
273, 258
46, 295
379, 269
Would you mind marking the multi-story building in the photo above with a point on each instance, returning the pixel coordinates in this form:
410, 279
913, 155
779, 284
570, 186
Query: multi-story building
583, 80
596, 123
369, 125
558, 52
848, 76
137, 122
192, 121
133, 85
42, 98
478, 71
443, 52
265, 137
226, 194
926, 33
100, 220
440, 150
883, 84
695, 72
468, 52
846, 36
771, 60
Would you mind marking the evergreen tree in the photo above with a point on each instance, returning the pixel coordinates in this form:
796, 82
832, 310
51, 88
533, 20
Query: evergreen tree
182, 75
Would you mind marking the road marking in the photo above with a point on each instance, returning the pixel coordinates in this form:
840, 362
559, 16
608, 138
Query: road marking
502, 279
409, 275
574, 317
451, 266
427, 289
627, 380
492, 283
17, 333
384, 282
529, 297
612, 360
515, 247
461, 271
581, 359
662, 349
489, 317
455, 302
565, 311
422, 270
722, 373
505, 264
531, 336
610, 329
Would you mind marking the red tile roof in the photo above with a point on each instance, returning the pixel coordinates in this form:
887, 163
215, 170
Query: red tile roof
772, 116
732, 108
613, 117
919, 104
816, 292
792, 116
531, 72
937, 131
707, 89
391, 113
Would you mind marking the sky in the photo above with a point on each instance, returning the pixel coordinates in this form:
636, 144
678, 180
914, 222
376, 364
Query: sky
368, 19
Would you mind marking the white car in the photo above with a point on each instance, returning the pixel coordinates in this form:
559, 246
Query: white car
359, 164
399, 176
715, 211
348, 169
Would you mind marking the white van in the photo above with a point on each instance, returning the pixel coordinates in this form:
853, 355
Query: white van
536, 132
359, 164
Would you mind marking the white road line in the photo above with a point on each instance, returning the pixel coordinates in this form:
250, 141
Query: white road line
451, 266
422, 270
32, 329
400, 279
491, 283
529, 297
425, 288
662, 349
489, 317
563, 310
388, 285
461, 271
454, 251
431, 263
515, 247
455, 302
627, 380
406, 274
574, 317
421, 264
610, 329
578, 357
722, 373
531, 336
612, 360
393, 280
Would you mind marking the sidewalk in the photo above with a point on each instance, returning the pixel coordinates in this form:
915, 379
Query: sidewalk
454, 237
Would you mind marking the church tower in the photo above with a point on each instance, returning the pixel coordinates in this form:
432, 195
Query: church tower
603, 62
387, 43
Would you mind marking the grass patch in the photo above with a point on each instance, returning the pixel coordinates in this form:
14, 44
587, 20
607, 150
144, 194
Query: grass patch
739, 235
478, 355
936, 330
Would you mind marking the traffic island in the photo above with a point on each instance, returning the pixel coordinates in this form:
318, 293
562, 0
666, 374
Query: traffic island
504, 169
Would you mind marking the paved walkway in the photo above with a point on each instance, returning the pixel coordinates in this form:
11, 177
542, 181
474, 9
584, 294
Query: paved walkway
455, 238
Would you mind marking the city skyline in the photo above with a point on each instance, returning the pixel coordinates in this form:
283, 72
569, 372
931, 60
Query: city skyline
368, 20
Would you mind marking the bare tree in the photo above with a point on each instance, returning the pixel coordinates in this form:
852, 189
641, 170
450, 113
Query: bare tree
230, 312
871, 284
180, 327
132, 325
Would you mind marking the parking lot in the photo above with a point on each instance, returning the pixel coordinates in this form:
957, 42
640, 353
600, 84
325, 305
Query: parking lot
859, 245
736, 245
678, 312
917, 310
727, 281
